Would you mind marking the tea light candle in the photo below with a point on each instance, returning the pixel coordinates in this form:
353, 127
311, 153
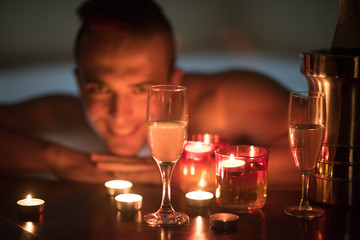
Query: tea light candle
116, 187
198, 147
232, 162
199, 198
30, 206
198, 150
223, 221
128, 202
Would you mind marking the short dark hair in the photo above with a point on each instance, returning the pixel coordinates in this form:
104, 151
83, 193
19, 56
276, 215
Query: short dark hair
128, 17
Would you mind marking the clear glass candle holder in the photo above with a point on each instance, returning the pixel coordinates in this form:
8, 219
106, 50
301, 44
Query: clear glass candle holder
241, 177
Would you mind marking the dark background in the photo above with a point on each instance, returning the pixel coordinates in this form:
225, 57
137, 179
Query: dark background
36, 39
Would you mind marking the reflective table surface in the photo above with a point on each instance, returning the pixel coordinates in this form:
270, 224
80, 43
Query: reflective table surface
85, 211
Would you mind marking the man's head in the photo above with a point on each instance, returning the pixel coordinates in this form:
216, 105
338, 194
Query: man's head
122, 47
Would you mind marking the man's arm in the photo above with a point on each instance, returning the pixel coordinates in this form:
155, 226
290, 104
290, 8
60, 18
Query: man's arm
23, 148
30, 134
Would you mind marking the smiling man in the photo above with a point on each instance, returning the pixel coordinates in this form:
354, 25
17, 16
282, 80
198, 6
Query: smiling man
122, 48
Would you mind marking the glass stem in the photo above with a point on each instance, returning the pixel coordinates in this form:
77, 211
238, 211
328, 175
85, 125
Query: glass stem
304, 203
166, 170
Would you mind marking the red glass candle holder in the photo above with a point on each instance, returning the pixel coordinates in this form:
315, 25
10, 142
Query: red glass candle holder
241, 177
197, 164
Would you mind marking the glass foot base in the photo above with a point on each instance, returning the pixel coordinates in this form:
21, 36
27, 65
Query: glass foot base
311, 213
158, 219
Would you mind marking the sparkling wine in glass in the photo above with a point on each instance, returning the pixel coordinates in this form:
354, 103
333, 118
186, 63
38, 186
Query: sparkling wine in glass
307, 118
167, 121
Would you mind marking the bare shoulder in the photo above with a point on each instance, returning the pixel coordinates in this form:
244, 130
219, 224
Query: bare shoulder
198, 83
238, 104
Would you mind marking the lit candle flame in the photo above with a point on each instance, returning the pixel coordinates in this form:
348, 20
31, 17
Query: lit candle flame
28, 198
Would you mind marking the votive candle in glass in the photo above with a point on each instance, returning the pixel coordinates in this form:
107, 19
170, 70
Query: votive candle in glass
197, 164
241, 177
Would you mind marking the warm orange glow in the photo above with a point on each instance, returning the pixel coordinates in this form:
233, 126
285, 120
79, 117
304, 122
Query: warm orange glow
199, 195
232, 162
29, 226
129, 197
118, 184
192, 170
198, 147
202, 183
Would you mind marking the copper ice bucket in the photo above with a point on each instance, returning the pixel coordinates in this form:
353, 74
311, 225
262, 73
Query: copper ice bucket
336, 179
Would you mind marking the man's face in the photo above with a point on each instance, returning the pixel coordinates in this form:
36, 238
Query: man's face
114, 75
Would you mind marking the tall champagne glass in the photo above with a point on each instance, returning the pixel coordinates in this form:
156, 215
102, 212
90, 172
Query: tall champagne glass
307, 117
167, 121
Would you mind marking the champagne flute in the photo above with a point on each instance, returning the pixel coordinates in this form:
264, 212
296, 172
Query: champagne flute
307, 117
167, 121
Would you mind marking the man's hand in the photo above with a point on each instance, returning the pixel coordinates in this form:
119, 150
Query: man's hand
133, 169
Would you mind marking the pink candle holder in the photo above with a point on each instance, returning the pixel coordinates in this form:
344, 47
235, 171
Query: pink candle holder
213, 139
197, 164
241, 177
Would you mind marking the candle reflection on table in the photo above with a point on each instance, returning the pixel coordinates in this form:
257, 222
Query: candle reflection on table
129, 216
199, 227
166, 233
29, 226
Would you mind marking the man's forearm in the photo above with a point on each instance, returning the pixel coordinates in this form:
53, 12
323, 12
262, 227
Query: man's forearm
20, 152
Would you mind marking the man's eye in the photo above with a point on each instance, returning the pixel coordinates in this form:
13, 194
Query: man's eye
140, 89
96, 88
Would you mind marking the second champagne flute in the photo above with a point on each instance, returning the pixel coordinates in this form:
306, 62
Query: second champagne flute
307, 118
167, 121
